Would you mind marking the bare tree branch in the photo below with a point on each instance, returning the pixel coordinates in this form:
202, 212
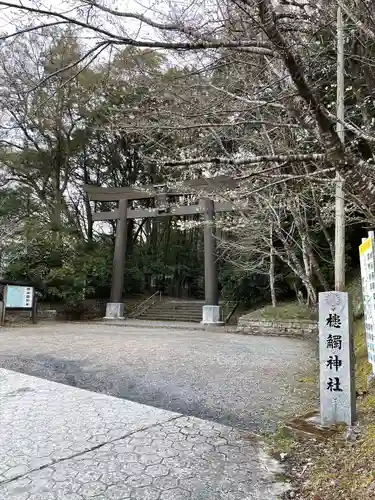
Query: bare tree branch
168, 27
98, 47
211, 125
247, 161
114, 38
32, 28
356, 20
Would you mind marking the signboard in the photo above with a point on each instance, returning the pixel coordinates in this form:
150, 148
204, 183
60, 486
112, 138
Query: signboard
336, 356
19, 297
367, 258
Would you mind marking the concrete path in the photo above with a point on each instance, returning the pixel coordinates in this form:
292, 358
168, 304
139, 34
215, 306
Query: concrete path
241, 381
63, 443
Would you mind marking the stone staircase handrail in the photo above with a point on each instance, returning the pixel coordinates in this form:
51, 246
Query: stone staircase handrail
145, 304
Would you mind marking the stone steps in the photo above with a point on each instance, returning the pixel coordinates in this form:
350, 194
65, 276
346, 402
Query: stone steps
173, 311
172, 317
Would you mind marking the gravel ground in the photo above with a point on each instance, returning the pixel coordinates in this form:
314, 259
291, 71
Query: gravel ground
243, 381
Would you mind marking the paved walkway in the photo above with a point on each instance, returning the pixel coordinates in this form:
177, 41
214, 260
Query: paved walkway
63, 443
237, 380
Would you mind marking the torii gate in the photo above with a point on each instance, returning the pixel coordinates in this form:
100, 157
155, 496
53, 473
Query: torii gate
206, 206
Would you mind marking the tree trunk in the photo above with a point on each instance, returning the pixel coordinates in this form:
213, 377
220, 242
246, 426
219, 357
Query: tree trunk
305, 256
272, 271
90, 223
317, 270
322, 224
292, 261
130, 239
56, 213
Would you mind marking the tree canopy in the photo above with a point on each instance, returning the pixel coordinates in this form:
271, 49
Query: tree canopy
244, 88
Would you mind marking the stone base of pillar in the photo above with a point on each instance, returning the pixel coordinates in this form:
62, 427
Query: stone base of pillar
211, 315
114, 310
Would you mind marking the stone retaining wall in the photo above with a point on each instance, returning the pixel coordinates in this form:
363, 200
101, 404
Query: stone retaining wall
247, 324
25, 316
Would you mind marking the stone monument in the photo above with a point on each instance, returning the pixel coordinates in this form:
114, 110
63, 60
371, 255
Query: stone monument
336, 356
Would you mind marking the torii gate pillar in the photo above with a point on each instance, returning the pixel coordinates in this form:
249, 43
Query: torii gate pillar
211, 309
115, 307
